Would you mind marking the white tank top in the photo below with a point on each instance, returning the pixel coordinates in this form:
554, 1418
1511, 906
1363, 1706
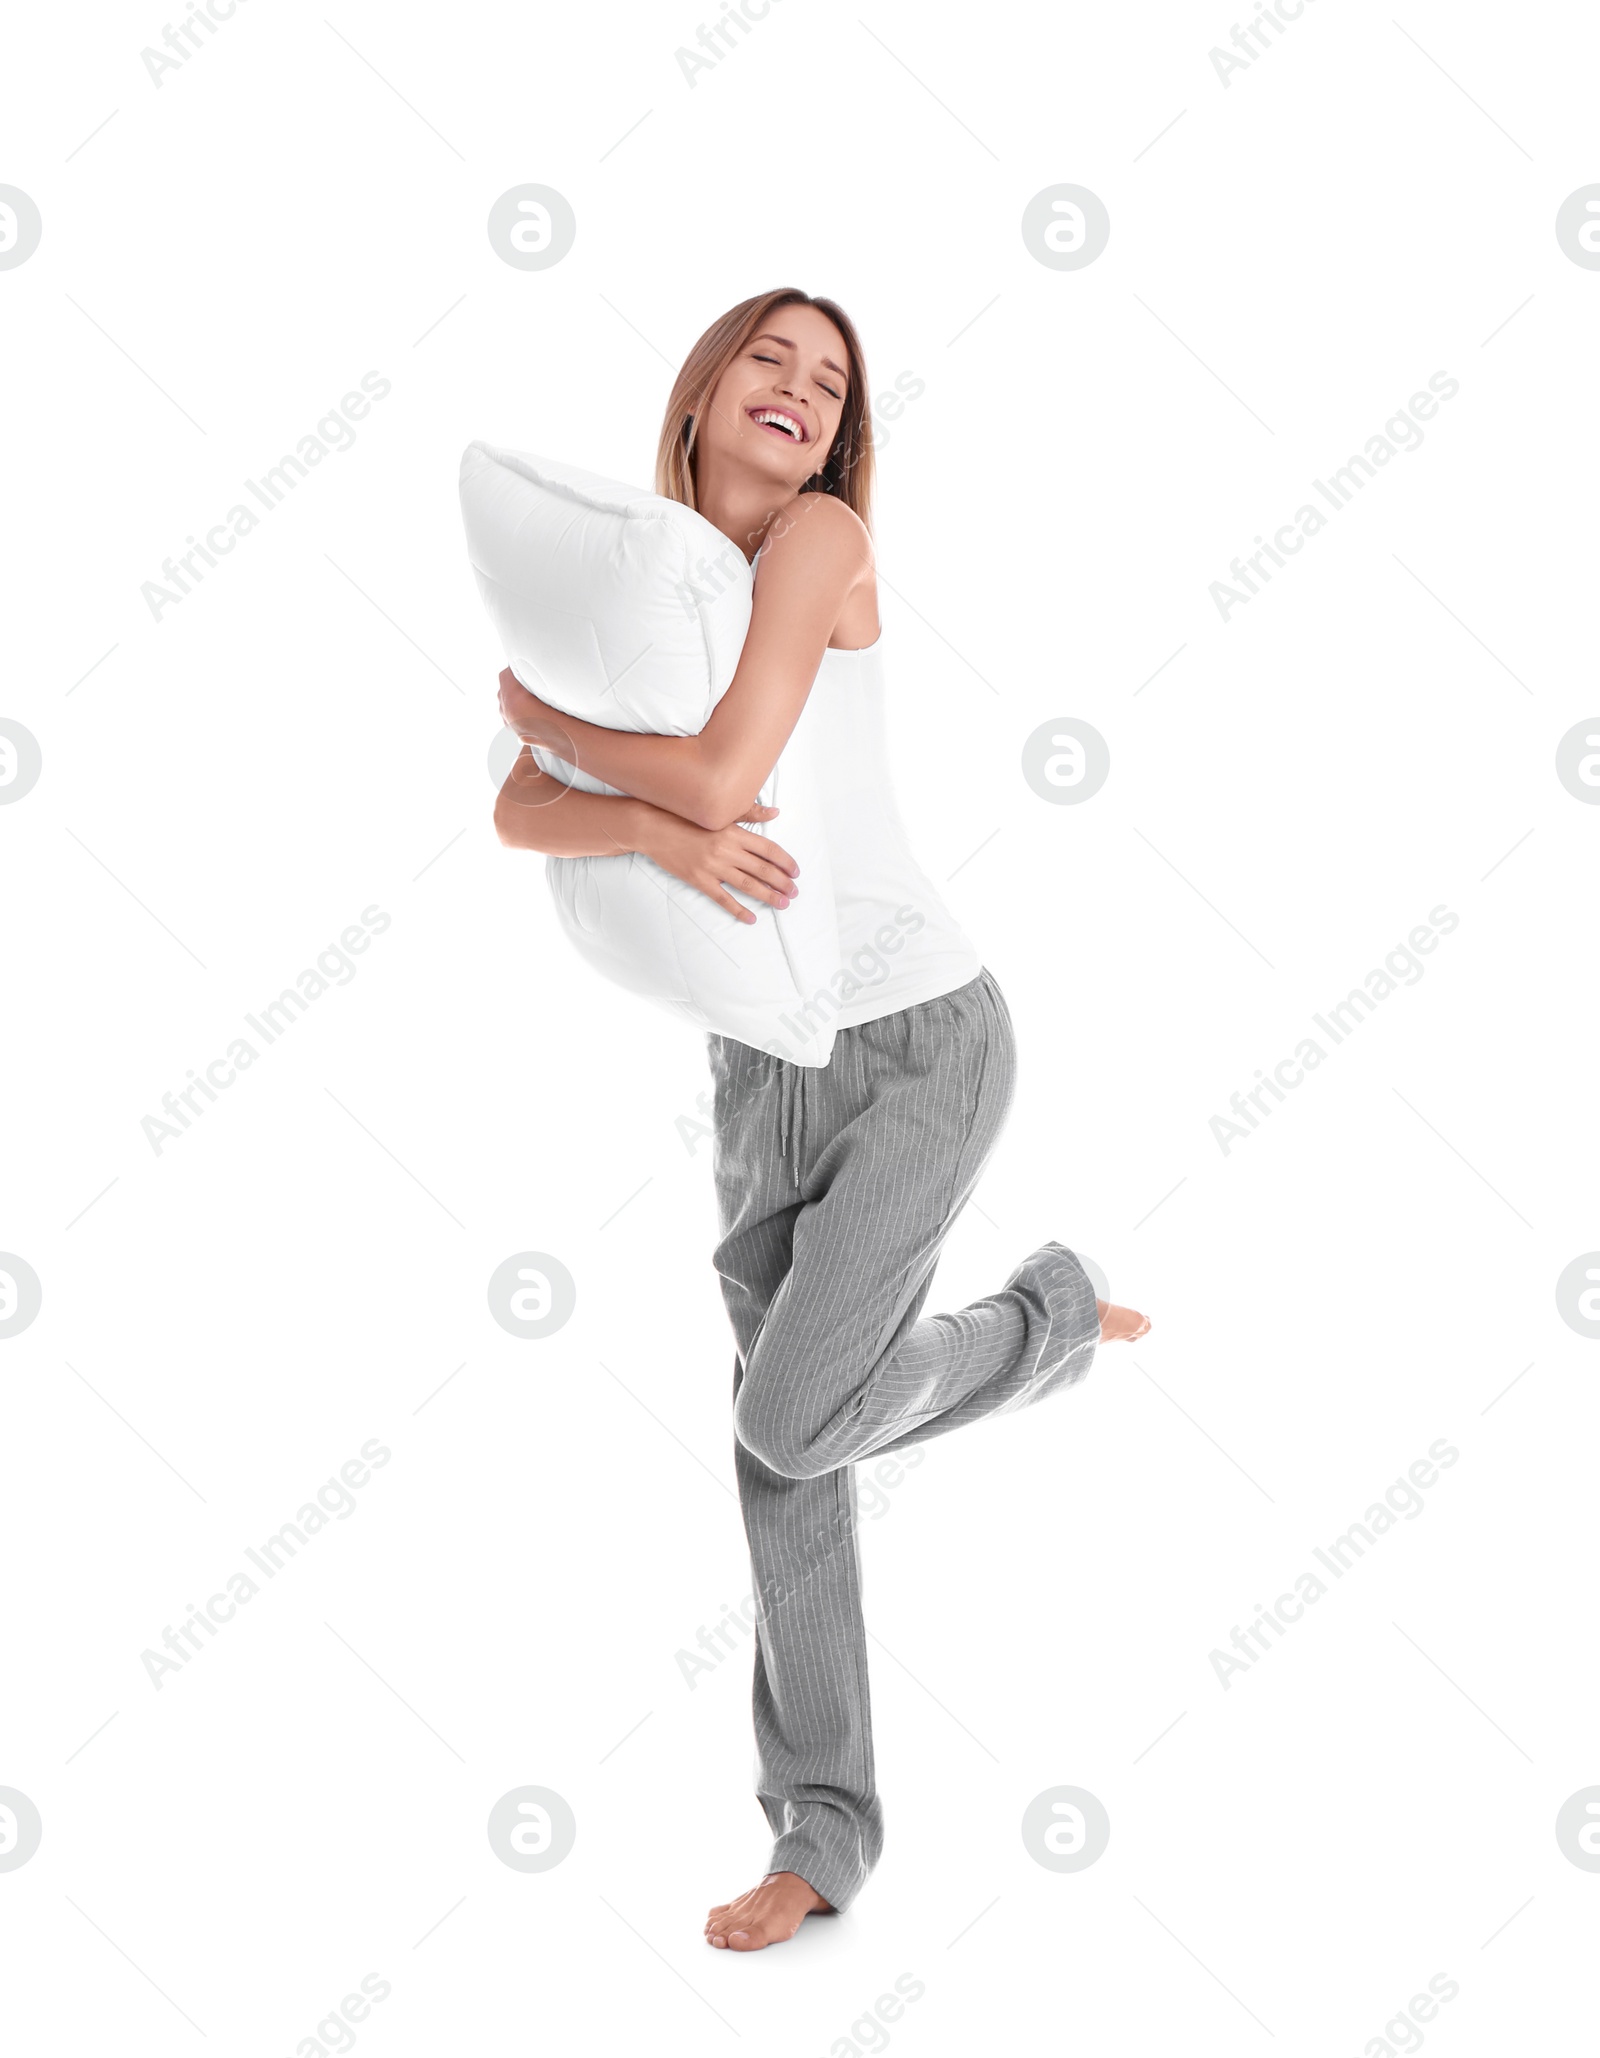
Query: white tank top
898, 942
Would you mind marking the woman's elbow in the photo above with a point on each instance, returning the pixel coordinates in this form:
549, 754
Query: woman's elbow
511, 824
719, 801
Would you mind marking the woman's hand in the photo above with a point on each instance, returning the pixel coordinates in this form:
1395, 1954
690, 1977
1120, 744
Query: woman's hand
537, 812
713, 859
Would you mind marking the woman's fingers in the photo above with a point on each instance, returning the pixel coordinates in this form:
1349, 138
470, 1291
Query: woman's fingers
776, 894
726, 900
771, 876
757, 889
764, 851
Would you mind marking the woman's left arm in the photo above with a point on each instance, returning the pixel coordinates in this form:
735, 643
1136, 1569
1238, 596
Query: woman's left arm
808, 567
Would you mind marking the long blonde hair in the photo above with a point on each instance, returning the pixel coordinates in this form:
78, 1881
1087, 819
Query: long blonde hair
846, 471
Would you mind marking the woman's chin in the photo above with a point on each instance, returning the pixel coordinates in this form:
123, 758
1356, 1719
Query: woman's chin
776, 465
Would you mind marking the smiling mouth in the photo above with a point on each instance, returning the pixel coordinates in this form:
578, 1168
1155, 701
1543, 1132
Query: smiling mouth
778, 421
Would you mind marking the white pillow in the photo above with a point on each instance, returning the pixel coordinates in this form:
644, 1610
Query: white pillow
630, 610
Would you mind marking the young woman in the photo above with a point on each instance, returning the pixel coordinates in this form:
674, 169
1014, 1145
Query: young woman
836, 1185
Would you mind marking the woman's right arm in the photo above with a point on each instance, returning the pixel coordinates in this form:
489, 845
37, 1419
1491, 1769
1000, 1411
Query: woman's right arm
817, 556
534, 811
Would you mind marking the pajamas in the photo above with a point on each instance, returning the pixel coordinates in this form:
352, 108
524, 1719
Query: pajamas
836, 1187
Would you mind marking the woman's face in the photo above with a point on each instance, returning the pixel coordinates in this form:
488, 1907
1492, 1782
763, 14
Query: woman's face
775, 411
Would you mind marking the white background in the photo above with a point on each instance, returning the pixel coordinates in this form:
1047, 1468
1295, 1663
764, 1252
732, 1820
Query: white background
224, 790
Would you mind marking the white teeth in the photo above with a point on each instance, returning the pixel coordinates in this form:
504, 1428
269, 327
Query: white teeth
779, 421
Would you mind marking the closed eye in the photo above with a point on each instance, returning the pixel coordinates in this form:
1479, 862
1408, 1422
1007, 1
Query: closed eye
761, 358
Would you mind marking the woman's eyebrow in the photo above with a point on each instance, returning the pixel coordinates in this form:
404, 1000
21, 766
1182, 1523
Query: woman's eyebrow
768, 337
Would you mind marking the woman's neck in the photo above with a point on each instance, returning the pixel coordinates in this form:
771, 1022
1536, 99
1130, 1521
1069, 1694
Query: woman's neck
742, 508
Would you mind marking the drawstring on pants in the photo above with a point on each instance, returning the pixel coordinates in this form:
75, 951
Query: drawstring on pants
791, 1082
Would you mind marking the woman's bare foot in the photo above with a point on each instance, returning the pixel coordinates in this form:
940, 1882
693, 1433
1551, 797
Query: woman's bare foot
769, 1914
1120, 1325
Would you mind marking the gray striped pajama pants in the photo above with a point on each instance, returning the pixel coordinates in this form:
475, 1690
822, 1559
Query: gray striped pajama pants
836, 1187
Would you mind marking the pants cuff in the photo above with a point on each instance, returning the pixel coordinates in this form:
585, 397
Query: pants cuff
838, 1885
1075, 1312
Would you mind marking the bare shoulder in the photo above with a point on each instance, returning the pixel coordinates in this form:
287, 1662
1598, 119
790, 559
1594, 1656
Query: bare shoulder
818, 529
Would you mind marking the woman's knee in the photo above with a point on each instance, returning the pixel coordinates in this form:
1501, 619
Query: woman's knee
774, 1434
